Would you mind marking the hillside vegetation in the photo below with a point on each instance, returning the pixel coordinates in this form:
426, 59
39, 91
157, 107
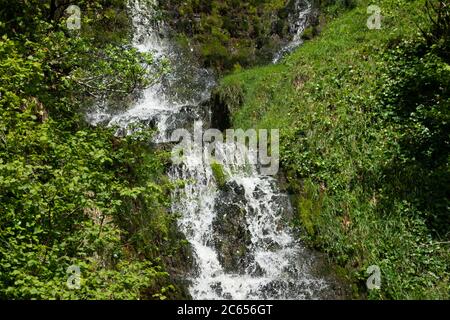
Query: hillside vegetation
228, 34
364, 119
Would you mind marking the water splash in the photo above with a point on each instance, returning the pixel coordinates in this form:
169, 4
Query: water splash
179, 91
271, 264
278, 267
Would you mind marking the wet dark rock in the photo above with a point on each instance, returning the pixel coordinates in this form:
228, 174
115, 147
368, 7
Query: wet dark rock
220, 113
183, 118
283, 202
255, 270
230, 229
217, 287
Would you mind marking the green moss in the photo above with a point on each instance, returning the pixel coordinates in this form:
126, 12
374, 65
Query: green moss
219, 174
227, 33
310, 33
229, 95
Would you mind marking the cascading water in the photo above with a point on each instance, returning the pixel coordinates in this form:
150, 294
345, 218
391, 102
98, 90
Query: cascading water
274, 266
173, 100
238, 231
298, 21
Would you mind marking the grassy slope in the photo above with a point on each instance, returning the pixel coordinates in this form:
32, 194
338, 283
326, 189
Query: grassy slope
320, 97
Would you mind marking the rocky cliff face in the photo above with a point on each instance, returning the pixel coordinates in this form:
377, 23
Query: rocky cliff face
227, 35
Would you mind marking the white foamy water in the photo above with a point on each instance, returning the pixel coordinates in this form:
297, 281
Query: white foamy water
276, 265
298, 23
279, 268
161, 102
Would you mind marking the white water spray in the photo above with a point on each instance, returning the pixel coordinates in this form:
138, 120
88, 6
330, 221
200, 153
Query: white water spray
279, 268
298, 23
276, 266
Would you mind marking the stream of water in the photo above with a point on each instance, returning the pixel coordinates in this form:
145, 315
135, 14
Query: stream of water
298, 20
243, 246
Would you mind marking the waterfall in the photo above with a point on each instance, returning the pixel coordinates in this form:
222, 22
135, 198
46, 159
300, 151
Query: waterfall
298, 21
239, 233
276, 267
163, 105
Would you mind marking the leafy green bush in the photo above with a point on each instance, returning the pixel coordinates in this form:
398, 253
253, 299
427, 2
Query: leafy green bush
416, 100
71, 194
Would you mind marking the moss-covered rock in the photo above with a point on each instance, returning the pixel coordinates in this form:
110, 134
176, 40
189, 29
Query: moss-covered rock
230, 33
219, 174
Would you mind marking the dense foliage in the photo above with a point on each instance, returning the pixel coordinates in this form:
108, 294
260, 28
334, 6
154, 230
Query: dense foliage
364, 117
72, 195
228, 34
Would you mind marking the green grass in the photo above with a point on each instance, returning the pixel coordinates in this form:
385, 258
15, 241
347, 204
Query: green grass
335, 148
